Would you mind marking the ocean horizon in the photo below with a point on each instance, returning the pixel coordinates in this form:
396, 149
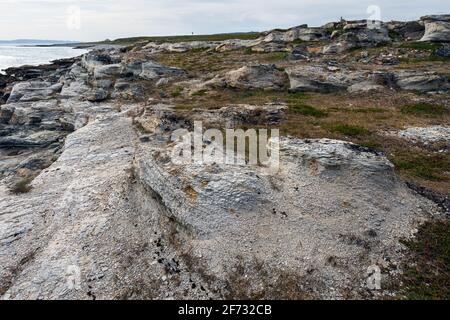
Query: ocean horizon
21, 54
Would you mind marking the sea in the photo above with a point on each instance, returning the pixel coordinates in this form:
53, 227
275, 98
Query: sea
23, 54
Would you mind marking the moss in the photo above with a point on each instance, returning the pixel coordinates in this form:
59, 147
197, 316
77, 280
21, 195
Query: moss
423, 109
22, 186
177, 91
425, 166
307, 110
348, 130
426, 46
276, 56
200, 93
368, 110
426, 273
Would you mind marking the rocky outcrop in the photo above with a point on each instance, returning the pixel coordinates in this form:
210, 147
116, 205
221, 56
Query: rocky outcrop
33, 91
89, 188
355, 35
437, 28
426, 134
321, 78
263, 208
266, 77
421, 81
302, 33
407, 31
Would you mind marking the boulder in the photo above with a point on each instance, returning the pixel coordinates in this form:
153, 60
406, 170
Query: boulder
355, 35
258, 76
421, 81
443, 51
235, 44
409, 31
38, 139
431, 134
97, 95
321, 78
155, 71
34, 91
180, 46
298, 33
107, 71
437, 28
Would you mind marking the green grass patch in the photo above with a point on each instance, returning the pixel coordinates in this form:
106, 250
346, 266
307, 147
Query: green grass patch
426, 46
276, 56
307, 110
426, 274
200, 93
176, 92
421, 165
423, 109
368, 110
22, 186
348, 130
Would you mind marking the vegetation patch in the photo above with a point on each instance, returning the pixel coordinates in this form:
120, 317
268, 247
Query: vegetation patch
421, 165
426, 273
22, 186
423, 109
307, 110
427, 46
347, 130
368, 110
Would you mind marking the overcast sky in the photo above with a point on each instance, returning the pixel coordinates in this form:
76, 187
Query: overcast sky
87, 20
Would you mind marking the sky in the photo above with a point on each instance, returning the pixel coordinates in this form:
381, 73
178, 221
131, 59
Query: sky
91, 20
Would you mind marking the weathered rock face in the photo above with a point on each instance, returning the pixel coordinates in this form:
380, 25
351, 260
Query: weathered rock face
302, 33
107, 200
180, 46
437, 28
410, 30
320, 78
357, 34
152, 71
421, 81
33, 91
426, 134
443, 52
256, 77
266, 208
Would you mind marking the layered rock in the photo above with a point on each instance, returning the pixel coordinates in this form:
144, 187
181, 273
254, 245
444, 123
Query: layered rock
437, 28
357, 34
321, 78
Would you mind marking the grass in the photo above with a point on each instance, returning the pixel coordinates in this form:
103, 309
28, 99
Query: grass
22, 186
276, 56
425, 46
347, 129
176, 92
368, 110
423, 109
426, 273
307, 110
422, 165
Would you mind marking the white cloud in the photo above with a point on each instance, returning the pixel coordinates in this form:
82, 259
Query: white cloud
100, 19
